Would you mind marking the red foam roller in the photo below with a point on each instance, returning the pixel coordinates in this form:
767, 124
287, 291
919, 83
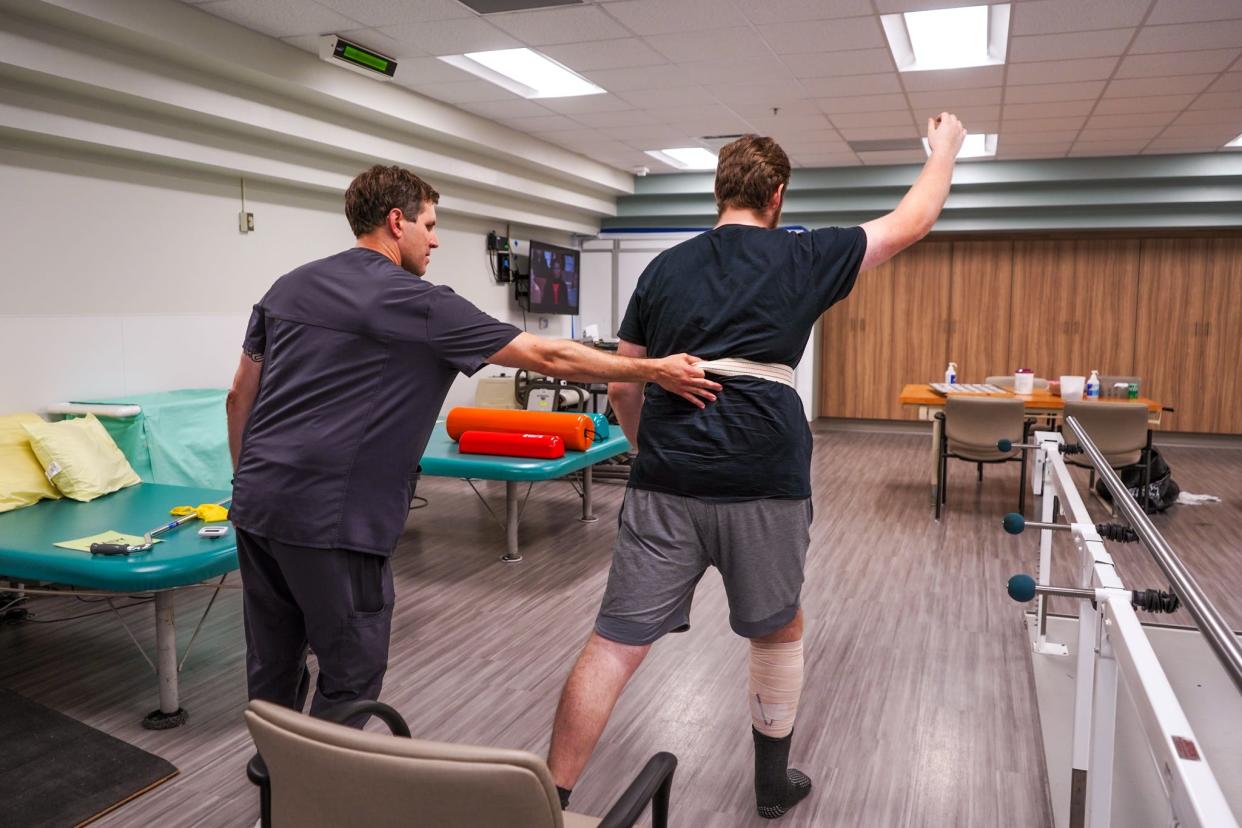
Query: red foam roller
541, 446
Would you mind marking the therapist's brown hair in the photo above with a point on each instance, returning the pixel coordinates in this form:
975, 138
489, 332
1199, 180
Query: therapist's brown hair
375, 192
748, 171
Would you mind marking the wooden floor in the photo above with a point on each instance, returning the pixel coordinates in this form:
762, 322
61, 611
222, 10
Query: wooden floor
918, 707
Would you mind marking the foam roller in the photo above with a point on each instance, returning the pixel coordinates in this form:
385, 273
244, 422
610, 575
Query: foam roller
542, 446
576, 430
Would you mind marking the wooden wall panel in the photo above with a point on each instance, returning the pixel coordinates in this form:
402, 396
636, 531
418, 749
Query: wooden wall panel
862, 331
979, 308
1041, 322
1167, 353
1105, 306
1221, 382
919, 298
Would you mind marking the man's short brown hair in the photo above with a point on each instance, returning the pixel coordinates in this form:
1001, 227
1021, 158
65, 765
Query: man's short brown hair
748, 171
375, 192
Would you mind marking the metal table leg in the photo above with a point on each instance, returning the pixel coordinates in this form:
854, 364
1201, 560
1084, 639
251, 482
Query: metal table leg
935, 457
170, 714
511, 523
588, 515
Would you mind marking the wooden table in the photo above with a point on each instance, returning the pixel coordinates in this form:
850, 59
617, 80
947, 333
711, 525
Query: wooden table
1039, 403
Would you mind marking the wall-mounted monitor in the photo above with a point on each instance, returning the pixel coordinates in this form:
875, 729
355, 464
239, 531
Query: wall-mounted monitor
553, 281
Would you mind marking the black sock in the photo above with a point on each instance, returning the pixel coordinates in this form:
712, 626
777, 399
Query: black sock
777, 786
564, 795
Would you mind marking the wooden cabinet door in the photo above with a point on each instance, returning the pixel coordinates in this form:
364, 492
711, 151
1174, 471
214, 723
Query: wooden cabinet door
1220, 383
1172, 298
858, 346
979, 308
919, 297
1106, 303
1042, 315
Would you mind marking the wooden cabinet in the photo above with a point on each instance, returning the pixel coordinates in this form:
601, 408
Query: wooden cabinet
980, 301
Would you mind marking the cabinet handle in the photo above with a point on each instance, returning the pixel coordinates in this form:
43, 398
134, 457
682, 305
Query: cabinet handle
1207, 328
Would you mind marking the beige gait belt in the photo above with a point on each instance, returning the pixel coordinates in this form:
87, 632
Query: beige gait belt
771, 371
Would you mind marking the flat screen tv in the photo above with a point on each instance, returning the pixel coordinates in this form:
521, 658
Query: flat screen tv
554, 280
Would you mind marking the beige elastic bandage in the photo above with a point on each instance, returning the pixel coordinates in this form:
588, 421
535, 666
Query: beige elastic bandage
775, 686
736, 367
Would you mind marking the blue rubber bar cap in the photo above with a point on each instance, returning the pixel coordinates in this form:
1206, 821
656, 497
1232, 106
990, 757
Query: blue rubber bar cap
1021, 588
1014, 523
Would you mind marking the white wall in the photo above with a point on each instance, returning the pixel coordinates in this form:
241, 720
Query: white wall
123, 277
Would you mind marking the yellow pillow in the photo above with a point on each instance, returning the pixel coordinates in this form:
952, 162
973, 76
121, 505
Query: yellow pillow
22, 482
80, 457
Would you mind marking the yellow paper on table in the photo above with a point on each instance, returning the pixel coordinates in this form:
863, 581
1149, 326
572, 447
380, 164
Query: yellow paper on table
207, 512
111, 536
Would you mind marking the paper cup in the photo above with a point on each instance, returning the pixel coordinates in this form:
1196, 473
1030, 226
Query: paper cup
1071, 387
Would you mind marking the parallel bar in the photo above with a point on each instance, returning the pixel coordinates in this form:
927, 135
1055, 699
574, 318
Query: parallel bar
1218, 633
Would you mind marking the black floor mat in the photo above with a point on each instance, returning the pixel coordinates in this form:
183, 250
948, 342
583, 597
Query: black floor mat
56, 771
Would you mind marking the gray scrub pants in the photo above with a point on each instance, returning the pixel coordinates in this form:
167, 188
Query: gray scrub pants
338, 601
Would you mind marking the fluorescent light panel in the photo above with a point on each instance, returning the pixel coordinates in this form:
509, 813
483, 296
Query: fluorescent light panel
1236, 142
976, 145
948, 38
685, 158
524, 72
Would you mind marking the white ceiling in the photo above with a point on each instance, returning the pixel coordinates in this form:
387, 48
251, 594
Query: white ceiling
1083, 77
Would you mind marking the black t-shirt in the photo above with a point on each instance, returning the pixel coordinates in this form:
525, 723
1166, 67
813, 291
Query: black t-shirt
743, 292
358, 356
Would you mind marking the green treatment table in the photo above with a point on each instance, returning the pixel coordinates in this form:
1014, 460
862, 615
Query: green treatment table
442, 459
183, 559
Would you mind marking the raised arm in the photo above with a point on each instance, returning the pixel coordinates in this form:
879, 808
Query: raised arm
913, 219
562, 358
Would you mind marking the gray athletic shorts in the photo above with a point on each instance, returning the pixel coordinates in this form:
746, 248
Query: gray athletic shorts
666, 542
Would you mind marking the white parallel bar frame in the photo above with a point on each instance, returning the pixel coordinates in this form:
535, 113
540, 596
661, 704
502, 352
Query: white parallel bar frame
1114, 650
1039, 472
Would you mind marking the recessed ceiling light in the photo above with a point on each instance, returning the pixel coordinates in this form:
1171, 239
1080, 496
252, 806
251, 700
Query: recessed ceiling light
948, 38
976, 145
685, 158
524, 72
1236, 142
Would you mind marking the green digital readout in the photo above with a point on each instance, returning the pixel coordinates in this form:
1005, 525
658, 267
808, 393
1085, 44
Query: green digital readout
365, 58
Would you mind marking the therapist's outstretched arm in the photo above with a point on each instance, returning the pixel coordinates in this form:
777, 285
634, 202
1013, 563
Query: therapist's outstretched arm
240, 400
678, 374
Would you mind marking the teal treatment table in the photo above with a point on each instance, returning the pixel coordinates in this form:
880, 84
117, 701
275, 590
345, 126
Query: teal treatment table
183, 559
442, 459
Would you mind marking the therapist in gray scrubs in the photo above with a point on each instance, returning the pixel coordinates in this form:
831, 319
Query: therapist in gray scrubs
345, 365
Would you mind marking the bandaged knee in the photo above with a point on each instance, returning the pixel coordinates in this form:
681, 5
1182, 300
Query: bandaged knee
775, 686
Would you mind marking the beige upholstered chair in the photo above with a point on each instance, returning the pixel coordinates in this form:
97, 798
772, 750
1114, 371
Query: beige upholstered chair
1006, 381
318, 773
1119, 430
971, 428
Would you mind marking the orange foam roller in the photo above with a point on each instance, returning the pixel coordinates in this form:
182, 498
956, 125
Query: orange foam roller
577, 430
542, 446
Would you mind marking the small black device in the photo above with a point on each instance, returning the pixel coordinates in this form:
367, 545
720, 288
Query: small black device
553, 282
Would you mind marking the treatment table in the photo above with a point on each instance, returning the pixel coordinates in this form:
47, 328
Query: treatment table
183, 559
442, 459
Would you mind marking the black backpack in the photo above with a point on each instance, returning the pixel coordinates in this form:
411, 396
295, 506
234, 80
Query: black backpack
1162, 489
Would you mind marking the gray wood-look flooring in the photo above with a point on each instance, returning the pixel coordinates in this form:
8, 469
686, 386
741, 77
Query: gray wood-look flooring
918, 708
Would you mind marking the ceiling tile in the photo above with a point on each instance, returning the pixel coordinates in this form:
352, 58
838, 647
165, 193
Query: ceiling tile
893, 157
649, 136
1039, 128
1177, 63
616, 118
1217, 100
666, 97
1140, 133
1228, 82
976, 77
1107, 148
831, 159
649, 17
863, 103
282, 18
634, 78
951, 100
605, 54
878, 84
1060, 71
1051, 109
879, 133
684, 47
722, 124
767, 94
1019, 136
788, 109
1187, 11
788, 11
800, 127
504, 110
1054, 16
541, 123
824, 35
1004, 147
839, 64
1033, 93
1221, 134
683, 114
895, 117
1222, 34
1130, 119
1069, 46
836, 145
571, 24
897, 6
585, 103
473, 91
1178, 145
755, 68
1023, 154
1143, 87
1213, 116
385, 12
451, 37
1150, 103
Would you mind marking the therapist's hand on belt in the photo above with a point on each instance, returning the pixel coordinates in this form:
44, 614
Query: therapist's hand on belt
679, 374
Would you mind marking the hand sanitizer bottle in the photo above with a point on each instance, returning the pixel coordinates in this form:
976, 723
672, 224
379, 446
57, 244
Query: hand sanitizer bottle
1093, 386
950, 374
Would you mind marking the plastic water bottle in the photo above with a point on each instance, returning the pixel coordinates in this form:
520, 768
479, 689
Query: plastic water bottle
1093, 386
950, 374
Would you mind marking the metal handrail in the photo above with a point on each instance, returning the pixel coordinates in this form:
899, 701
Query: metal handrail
1213, 626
